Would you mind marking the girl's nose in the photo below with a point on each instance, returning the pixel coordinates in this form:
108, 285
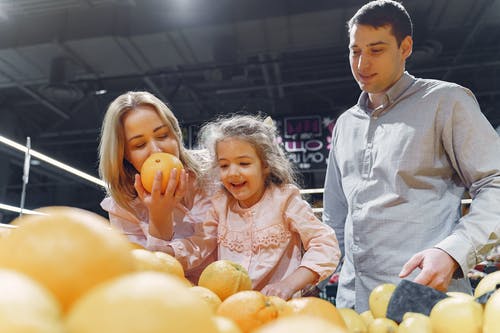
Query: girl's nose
233, 170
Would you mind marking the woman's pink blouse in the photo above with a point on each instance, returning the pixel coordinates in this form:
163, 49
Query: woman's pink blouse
188, 217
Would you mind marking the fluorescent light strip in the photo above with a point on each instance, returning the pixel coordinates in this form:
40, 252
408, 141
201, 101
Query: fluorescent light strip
52, 161
18, 210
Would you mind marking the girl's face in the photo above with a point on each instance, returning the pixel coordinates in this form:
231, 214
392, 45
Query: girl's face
241, 171
145, 134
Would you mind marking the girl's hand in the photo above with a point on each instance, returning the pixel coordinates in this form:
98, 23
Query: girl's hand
296, 281
161, 205
280, 289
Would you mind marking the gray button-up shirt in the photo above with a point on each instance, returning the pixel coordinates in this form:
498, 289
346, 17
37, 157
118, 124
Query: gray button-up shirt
395, 179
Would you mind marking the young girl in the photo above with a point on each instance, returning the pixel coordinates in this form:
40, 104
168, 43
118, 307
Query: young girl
136, 125
259, 218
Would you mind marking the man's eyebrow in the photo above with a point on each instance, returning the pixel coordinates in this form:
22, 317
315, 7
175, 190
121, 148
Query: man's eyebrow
371, 44
378, 43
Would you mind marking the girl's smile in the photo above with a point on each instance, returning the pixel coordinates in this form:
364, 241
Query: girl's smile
241, 171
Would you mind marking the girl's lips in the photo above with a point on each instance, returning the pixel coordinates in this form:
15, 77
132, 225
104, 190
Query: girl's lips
239, 185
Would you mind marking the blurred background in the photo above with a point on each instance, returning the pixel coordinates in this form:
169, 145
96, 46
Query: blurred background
63, 61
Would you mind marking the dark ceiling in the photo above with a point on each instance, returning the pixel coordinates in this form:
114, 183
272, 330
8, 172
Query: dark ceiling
205, 57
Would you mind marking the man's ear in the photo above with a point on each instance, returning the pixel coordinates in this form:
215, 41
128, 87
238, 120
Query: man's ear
406, 47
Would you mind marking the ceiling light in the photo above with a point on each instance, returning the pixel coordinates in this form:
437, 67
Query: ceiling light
100, 92
52, 161
18, 210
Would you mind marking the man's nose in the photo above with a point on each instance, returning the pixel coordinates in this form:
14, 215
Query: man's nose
363, 62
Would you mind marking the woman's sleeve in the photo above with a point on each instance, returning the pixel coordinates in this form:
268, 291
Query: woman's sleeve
322, 252
193, 250
124, 222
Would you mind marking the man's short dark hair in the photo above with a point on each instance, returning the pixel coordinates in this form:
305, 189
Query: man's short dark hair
380, 13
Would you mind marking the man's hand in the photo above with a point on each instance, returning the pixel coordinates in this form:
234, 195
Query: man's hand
437, 268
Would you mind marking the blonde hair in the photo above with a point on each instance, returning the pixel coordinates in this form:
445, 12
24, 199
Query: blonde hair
257, 131
114, 169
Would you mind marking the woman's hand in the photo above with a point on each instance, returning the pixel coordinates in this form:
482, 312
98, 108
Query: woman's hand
161, 205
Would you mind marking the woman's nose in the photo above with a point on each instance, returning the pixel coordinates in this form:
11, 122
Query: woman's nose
155, 148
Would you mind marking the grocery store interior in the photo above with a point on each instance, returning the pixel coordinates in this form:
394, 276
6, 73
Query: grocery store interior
63, 61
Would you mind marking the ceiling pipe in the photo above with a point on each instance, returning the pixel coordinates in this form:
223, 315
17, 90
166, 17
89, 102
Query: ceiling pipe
33, 94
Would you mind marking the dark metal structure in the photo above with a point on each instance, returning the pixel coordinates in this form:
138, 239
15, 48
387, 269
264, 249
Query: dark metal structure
63, 61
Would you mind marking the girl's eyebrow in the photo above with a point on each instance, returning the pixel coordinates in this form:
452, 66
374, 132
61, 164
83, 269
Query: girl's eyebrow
237, 157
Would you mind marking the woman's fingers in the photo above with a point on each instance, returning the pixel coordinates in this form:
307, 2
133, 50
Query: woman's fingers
141, 192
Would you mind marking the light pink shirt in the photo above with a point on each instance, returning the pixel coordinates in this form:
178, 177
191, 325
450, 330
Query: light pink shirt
272, 238
188, 217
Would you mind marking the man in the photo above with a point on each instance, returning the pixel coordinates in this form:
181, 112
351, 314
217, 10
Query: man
400, 162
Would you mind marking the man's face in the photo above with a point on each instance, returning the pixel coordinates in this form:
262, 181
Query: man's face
377, 61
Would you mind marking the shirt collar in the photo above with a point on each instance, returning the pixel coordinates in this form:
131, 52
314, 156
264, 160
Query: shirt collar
391, 95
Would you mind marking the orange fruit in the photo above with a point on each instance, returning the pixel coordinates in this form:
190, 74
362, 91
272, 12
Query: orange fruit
353, 321
249, 309
27, 306
379, 299
68, 251
282, 305
460, 294
491, 313
163, 162
137, 246
226, 325
367, 317
457, 314
487, 283
158, 261
317, 307
383, 325
300, 324
415, 323
207, 296
225, 278
146, 302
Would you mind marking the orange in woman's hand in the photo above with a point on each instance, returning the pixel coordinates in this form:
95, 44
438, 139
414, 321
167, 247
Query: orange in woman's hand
163, 162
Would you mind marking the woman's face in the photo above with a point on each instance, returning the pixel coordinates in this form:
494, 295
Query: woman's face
145, 134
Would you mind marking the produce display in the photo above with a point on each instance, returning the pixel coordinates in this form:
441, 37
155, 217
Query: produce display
67, 271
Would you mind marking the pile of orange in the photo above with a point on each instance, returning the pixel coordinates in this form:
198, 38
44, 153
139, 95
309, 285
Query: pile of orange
67, 270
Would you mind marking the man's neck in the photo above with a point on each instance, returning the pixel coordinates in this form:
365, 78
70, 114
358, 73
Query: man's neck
376, 100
